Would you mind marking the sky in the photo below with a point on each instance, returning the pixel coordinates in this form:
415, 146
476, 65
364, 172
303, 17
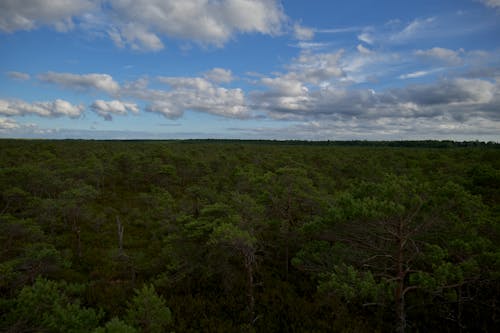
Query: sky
250, 69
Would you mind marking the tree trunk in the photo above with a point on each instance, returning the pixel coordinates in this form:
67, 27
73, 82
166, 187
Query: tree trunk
250, 293
120, 236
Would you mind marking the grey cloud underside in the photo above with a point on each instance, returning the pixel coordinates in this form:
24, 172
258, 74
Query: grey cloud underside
460, 99
107, 109
28, 14
190, 93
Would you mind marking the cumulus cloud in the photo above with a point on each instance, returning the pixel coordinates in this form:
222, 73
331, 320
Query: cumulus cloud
459, 99
189, 93
101, 82
27, 15
107, 109
451, 92
202, 21
219, 75
18, 76
136, 36
441, 54
141, 24
8, 124
56, 108
303, 33
316, 68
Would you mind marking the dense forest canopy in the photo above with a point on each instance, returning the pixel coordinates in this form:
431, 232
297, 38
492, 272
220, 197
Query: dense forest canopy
249, 236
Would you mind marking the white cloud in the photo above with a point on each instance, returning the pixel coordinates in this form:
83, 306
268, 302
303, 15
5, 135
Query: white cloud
219, 75
441, 54
414, 75
44, 109
287, 84
363, 50
28, 14
310, 46
18, 76
141, 24
137, 37
303, 33
190, 93
415, 29
101, 82
8, 124
458, 99
365, 37
202, 21
318, 67
491, 3
338, 30
107, 109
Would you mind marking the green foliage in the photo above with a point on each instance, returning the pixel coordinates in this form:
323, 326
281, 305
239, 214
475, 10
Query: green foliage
248, 236
148, 311
49, 305
115, 325
353, 285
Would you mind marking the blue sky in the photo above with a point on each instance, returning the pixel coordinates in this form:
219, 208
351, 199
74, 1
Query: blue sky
261, 69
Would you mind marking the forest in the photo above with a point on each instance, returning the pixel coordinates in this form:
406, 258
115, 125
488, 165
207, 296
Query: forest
249, 236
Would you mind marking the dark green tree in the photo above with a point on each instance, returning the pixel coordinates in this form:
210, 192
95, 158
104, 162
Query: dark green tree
53, 307
148, 311
398, 236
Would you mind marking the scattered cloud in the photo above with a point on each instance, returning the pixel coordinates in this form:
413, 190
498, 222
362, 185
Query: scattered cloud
7, 123
415, 75
442, 55
136, 36
100, 82
316, 68
491, 3
107, 109
219, 75
310, 46
338, 30
418, 28
28, 15
303, 33
18, 76
366, 37
189, 93
363, 50
56, 108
